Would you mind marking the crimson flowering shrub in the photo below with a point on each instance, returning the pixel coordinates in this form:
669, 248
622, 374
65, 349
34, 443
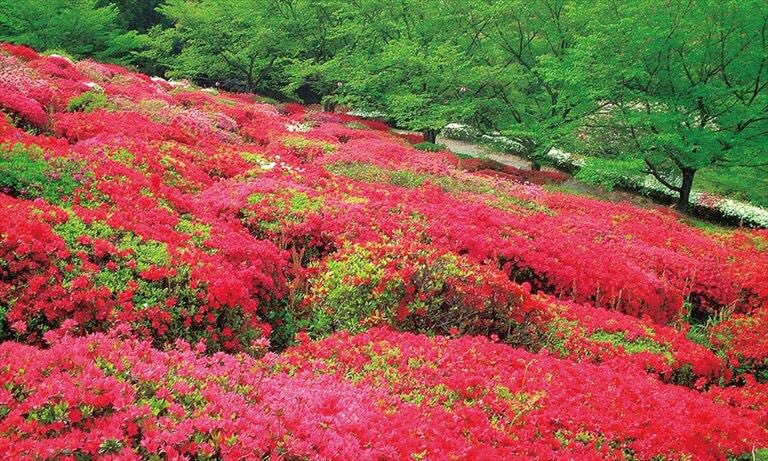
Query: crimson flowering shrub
417, 288
749, 397
528, 405
743, 339
597, 335
379, 395
20, 51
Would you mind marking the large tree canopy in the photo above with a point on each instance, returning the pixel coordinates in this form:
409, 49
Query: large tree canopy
83, 28
411, 66
685, 82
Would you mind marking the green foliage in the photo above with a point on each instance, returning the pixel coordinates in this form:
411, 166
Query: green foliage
199, 232
459, 186
143, 252
5, 331
354, 290
609, 173
88, 102
301, 144
49, 413
84, 28
429, 147
633, 346
289, 206
25, 173
415, 71
138, 15
240, 43
530, 44
685, 90
346, 304
740, 183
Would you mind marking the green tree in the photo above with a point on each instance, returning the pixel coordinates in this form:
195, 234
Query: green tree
244, 44
403, 58
527, 45
138, 15
685, 82
82, 28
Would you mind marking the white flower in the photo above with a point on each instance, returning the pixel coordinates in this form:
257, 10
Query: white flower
94, 86
367, 114
298, 127
60, 57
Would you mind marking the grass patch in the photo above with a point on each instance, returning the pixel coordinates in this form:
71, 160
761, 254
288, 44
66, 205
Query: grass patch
633, 346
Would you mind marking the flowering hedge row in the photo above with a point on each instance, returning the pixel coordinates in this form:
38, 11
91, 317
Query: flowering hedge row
379, 395
528, 405
136, 212
174, 143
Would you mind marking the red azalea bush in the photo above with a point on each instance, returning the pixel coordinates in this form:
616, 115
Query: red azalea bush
529, 405
749, 397
20, 51
380, 395
744, 340
601, 336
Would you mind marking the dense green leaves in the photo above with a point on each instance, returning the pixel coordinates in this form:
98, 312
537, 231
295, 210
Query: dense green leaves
82, 28
685, 82
24, 172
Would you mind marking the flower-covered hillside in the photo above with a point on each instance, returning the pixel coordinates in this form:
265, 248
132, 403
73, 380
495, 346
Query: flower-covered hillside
421, 305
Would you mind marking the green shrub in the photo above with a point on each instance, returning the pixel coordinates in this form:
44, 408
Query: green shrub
302, 144
356, 126
409, 286
88, 102
631, 346
429, 147
24, 172
272, 212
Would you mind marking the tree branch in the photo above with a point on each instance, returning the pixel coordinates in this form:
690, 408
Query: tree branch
652, 169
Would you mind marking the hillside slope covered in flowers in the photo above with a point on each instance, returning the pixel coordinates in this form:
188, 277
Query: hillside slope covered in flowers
192, 274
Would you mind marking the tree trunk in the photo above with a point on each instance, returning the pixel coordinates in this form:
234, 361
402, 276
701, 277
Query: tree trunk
535, 166
329, 106
685, 189
430, 135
